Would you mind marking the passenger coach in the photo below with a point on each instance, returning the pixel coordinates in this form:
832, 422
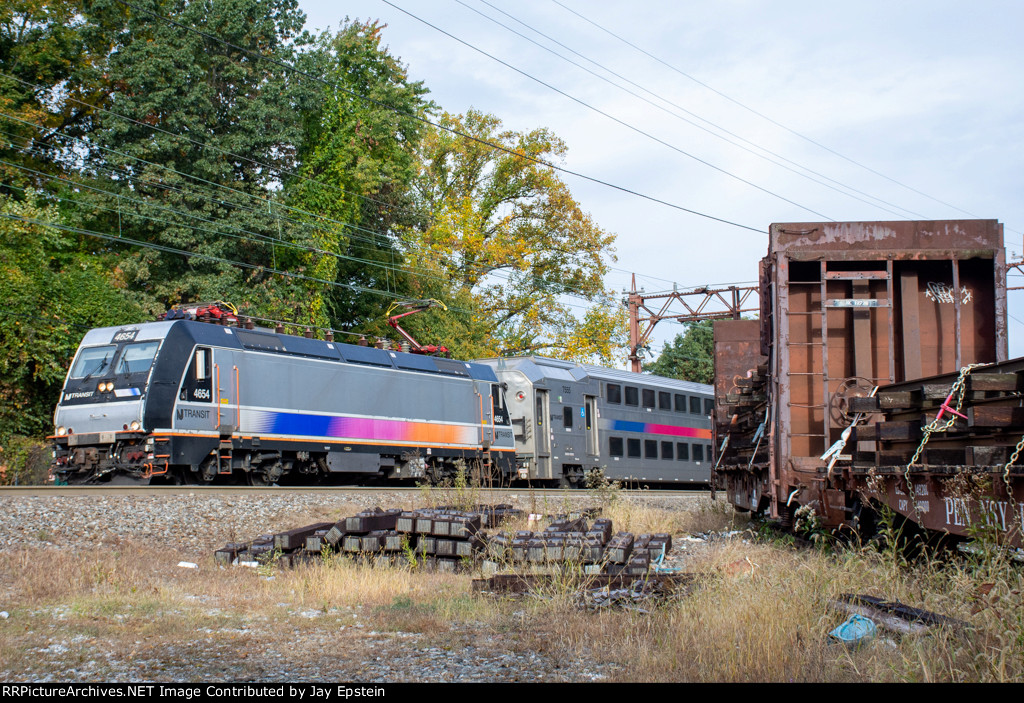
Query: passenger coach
570, 418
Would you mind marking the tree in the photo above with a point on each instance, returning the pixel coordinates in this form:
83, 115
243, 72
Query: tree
689, 357
49, 55
52, 294
193, 151
507, 241
357, 163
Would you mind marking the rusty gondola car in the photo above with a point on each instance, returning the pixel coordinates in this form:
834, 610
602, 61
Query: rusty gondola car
876, 376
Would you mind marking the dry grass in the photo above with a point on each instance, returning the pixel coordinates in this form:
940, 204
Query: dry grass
763, 615
759, 613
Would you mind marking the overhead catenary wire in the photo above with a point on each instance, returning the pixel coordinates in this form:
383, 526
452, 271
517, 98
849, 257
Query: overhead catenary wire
755, 112
273, 240
483, 142
838, 187
267, 239
618, 121
263, 200
205, 257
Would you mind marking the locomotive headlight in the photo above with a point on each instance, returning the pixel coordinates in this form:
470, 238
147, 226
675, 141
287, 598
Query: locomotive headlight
135, 426
61, 431
105, 387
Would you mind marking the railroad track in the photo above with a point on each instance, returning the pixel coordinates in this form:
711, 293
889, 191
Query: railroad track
41, 491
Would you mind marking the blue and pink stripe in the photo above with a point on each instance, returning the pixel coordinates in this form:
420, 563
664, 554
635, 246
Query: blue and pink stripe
358, 428
653, 428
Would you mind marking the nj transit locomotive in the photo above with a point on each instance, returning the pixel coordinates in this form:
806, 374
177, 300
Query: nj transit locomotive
186, 401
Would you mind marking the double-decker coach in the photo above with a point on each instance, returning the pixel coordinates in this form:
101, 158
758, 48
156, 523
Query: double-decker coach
570, 418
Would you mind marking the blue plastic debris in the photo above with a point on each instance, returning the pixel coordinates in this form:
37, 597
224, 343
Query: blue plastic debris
856, 630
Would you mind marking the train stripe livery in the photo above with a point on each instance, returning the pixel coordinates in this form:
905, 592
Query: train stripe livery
182, 400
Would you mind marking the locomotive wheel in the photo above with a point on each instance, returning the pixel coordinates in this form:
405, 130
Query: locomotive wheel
256, 478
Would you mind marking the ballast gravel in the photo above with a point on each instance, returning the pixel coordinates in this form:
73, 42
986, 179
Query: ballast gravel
189, 527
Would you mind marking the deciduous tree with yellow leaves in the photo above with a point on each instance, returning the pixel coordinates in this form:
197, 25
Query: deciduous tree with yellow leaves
507, 245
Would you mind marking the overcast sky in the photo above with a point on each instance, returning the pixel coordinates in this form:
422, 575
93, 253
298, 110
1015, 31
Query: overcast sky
925, 98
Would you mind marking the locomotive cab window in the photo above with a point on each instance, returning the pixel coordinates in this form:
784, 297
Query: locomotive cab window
201, 363
498, 406
92, 361
198, 384
136, 358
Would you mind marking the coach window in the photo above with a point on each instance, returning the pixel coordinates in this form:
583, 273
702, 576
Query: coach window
613, 393
664, 400
633, 446
632, 395
682, 451
648, 398
709, 406
650, 449
694, 405
698, 452
615, 446
666, 450
680, 403
567, 417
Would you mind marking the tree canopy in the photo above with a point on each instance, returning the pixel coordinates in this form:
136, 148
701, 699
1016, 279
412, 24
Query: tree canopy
354, 185
149, 159
689, 357
510, 246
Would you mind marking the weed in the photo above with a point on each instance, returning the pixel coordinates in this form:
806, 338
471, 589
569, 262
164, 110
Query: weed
409, 553
268, 562
607, 491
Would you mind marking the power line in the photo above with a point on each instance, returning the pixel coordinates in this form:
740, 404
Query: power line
207, 257
450, 130
599, 111
755, 112
688, 112
565, 291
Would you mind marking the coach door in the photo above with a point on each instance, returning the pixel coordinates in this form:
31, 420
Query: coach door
542, 420
590, 425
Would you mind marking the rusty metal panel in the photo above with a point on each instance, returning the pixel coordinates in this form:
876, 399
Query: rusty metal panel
972, 238
861, 304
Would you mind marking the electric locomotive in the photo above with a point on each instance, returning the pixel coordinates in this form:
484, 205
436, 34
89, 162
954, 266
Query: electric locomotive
182, 400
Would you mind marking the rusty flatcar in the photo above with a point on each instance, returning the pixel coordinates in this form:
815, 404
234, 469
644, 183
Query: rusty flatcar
870, 334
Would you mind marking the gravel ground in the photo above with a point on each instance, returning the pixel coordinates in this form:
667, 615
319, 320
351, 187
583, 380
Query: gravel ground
191, 526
